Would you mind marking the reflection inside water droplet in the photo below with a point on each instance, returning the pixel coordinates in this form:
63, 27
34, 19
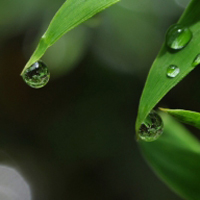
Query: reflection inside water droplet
196, 61
178, 36
151, 128
172, 71
37, 75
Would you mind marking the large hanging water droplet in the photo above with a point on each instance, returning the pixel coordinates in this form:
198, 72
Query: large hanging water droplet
37, 75
196, 61
178, 36
172, 71
151, 128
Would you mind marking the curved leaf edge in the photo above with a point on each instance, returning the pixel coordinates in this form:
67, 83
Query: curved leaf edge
43, 44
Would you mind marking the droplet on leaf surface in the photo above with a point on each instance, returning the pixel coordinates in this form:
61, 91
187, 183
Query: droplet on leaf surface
178, 36
37, 75
172, 71
151, 128
196, 61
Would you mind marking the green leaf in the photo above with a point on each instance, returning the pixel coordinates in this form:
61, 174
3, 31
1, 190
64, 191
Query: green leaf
71, 14
175, 158
158, 84
186, 116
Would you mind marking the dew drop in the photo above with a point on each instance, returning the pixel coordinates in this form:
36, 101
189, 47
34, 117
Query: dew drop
178, 36
172, 71
151, 128
196, 61
37, 75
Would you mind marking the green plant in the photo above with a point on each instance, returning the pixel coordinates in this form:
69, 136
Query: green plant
64, 20
175, 155
176, 142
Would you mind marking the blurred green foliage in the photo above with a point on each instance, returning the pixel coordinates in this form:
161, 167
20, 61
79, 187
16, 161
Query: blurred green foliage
174, 157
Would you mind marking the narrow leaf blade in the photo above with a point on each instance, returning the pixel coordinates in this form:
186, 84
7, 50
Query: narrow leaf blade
186, 116
158, 84
71, 14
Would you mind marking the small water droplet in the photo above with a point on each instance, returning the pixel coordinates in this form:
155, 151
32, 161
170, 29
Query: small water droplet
196, 61
37, 75
178, 36
151, 128
172, 71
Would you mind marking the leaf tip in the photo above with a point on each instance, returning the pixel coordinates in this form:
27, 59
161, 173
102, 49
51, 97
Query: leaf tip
163, 109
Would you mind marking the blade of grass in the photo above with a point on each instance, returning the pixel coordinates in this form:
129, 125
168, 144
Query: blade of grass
71, 14
175, 158
158, 84
186, 116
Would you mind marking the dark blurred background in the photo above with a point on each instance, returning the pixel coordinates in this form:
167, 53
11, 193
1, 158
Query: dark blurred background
74, 139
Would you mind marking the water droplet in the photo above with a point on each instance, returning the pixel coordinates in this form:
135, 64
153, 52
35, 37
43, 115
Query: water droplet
151, 128
196, 61
37, 75
178, 36
172, 71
